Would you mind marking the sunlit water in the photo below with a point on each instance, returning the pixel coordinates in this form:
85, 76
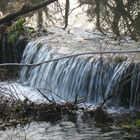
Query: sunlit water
77, 129
71, 41
62, 131
90, 77
47, 48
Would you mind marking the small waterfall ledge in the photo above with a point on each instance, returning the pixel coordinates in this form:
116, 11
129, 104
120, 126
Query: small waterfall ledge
90, 78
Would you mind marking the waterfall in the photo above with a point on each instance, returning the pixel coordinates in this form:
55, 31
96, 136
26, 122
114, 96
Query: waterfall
89, 78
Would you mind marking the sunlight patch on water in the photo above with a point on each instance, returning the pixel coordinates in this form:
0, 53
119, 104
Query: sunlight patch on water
21, 92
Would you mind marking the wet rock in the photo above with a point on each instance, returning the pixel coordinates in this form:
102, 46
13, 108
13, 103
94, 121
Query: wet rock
131, 137
106, 129
100, 115
2, 127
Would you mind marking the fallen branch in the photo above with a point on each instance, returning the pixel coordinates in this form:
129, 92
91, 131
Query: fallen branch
24, 10
69, 56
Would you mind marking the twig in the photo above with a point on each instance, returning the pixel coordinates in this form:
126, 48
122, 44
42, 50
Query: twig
74, 8
52, 93
24, 10
44, 96
110, 96
69, 56
107, 98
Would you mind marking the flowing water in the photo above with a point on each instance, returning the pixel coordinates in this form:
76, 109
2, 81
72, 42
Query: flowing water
91, 78
65, 130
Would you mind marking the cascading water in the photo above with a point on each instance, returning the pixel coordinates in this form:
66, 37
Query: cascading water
86, 77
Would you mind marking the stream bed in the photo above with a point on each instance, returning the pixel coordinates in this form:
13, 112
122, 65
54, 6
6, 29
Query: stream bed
78, 127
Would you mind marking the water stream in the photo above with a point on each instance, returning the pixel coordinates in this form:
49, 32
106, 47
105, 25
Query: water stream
91, 78
65, 130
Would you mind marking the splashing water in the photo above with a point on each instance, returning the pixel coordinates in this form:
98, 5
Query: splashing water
84, 77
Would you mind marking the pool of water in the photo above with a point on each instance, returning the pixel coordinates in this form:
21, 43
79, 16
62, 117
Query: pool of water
79, 129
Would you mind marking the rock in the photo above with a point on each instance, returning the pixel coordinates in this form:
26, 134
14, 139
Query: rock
102, 116
2, 127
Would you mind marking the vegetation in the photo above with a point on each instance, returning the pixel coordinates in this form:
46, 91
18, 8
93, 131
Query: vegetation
122, 17
15, 30
8, 73
138, 123
14, 111
118, 16
12, 40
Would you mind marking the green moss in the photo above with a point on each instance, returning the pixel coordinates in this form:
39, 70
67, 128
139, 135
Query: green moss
137, 123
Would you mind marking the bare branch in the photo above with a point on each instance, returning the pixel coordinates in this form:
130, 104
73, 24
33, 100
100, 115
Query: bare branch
24, 10
69, 56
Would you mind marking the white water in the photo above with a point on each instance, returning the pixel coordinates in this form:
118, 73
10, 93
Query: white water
19, 91
85, 76
64, 130
90, 78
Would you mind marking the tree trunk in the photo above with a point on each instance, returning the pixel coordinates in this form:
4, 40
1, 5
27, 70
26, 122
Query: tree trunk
24, 10
66, 13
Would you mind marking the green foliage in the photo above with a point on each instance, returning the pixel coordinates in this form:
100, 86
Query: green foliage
135, 124
138, 123
119, 59
15, 30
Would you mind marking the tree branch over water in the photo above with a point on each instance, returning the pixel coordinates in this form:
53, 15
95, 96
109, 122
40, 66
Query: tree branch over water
69, 56
24, 10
